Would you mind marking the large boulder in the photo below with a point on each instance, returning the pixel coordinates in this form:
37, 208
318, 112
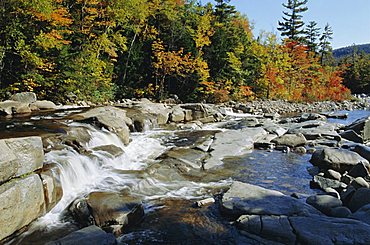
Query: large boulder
232, 143
112, 118
24, 97
53, 190
9, 107
362, 128
110, 211
44, 105
336, 159
91, 235
243, 198
291, 140
359, 199
363, 150
22, 201
191, 157
161, 111
19, 156
177, 114
324, 203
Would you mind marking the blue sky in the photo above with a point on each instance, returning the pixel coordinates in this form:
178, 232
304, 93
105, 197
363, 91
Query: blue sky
350, 19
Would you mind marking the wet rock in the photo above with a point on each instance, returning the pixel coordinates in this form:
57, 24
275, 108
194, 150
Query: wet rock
22, 201
232, 143
351, 136
271, 115
243, 198
177, 114
362, 128
44, 105
160, 111
9, 107
359, 199
360, 183
204, 143
291, 140
275, 228
311, 116
336, 159
335, 115
332, 192
347, 194
112, 118
360, 170
323, 183
113, 150
207, 119
300, 150
110, 211
19, 156
24, 97
91, 235
204, 202
363, 151
274, 129
53, 190
324, 203
328, 230
191, 157
332, 174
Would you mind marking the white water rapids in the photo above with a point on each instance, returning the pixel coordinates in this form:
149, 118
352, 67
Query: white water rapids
81, 174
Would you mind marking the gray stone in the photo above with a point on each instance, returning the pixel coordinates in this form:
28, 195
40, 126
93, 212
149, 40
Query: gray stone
335, 115
324, 183
53, 190
24, 97
336, 159
332, 174
91, 235
44, 105
300, 150
275, 129
22, 201
291, 140
332, 192
324, 203
204, 143
351, 136
360, 170
311, 116
362, 128
243, 198
363, 151
359, 182
191, 157
177, 114
161, 111
19, 156
112, 150
359, 199
328, 230
347, 194
9, 107
112, 118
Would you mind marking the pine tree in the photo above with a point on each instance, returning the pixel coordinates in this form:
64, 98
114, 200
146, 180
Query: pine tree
312, 36
292, 24
325, 44
223, 10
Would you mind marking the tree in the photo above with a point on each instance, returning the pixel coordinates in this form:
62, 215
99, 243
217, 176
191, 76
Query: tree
292, 24
223, 10
312, 36
325, 44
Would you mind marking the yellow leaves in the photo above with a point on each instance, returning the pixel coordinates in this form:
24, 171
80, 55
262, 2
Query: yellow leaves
53, 39
204, 31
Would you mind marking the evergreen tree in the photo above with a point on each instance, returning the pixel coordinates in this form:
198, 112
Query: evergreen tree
223, 10
312, 36
292, 24
325, 44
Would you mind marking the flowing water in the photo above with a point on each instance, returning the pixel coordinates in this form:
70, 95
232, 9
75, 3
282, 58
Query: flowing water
98, 170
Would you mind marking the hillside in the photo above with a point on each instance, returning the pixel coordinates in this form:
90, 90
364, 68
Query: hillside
342, 52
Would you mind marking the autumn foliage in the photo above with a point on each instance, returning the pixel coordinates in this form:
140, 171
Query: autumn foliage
100, 50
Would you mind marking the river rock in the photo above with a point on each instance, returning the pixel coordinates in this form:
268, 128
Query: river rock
111, 211
311, 116
112, 118
335, 115
19, 156
112, 150
22, 201
359, 199
9, 107
332, 174
243, 198
53, 190
177, 114
360, 170
24, 97
362, 128
91, 235
329, 230
359, 182
324, 183
324, 203
191, 157
340, 212
351, 136
291, 140
44, 105
274, 129
363, 151
336, 159
160, 111
232, 143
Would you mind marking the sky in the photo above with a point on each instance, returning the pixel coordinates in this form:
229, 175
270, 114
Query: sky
349, 19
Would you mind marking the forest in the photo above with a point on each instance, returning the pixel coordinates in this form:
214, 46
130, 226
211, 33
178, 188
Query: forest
101, 50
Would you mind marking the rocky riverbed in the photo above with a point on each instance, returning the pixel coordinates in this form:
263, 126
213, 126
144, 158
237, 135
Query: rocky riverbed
138, 172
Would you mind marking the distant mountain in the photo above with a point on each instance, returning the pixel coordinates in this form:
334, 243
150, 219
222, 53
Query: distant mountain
342, 52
